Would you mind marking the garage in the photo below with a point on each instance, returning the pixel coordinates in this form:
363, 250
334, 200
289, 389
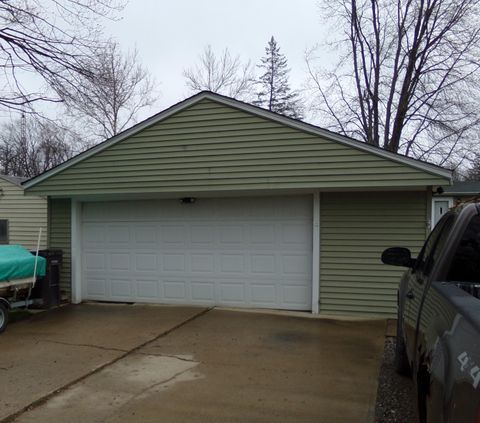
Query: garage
217, 202
242, 252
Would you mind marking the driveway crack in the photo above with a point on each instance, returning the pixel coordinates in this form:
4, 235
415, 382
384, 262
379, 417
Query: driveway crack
73, 344
170, 356
154, 385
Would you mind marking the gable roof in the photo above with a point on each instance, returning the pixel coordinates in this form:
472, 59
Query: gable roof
15, 180
254, 110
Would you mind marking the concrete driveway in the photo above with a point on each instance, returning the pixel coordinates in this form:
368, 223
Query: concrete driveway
113, 363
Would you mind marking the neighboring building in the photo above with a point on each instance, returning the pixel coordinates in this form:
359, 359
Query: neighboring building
21, 217
452, 196
217, 202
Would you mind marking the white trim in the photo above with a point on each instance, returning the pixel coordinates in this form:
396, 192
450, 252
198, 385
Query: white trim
435, 200
316, 253
76, 251
315, 130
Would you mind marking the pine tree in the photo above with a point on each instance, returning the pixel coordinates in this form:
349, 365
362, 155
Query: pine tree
274, 93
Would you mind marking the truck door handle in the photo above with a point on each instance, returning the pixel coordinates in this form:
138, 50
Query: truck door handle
410, 295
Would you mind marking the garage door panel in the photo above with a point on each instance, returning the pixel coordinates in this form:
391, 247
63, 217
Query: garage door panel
174, 262
296, 264
94, 260
146, 262
119, 261
264, 294
295, 295
202, 262
237, 252
263, 263
118, 235
232, 293
147, 290
262, 235
96, 288
201, 234
145, 235
175, 290
93, 234
203, 291
121, 289
295, 234
231, 234
232, 263
172, 234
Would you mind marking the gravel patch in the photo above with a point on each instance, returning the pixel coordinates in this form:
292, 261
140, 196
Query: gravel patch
395, 396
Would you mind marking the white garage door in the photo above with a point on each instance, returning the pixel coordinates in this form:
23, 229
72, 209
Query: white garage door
243, 252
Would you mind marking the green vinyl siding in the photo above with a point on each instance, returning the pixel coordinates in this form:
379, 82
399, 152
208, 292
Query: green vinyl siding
59, 237
213, 147
26, 215
355, 229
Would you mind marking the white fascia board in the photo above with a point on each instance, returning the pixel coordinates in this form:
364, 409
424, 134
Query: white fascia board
305, 127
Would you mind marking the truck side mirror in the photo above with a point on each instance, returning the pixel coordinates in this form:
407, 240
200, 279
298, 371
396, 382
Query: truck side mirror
398, 256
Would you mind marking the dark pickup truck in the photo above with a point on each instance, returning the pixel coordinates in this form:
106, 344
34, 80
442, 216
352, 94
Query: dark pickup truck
438, 326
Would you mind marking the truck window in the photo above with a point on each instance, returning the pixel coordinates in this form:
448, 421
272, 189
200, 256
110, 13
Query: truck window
465, 265
433, 246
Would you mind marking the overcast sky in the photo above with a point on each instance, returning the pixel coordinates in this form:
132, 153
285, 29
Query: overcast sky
171, 35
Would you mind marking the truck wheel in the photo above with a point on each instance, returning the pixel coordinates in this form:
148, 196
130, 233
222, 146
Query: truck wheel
3, 316
401, 359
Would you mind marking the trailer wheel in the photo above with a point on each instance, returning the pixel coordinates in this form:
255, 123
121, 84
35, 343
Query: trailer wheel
3, 316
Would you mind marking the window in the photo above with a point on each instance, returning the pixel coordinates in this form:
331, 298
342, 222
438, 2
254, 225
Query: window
4, 231
432, 248
465, 265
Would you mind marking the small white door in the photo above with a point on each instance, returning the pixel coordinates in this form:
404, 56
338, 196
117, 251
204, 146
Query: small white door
243, 252
440, 207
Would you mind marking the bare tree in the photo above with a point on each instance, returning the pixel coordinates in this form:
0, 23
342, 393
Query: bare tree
109, 98
473, 174
407, 77
223, 74
49, 40
30, 146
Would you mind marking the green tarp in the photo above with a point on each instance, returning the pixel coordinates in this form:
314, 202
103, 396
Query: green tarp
16, 262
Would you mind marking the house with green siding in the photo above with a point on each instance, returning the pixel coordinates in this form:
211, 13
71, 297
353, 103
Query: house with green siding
218, 202
21, 217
